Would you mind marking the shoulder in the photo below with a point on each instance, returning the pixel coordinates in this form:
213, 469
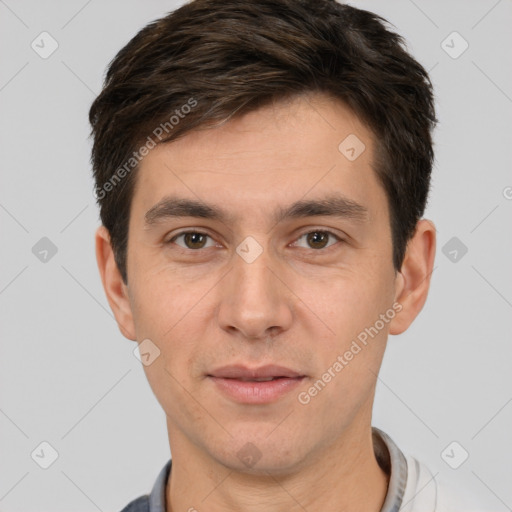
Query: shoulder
440, 491
457, 495
155, 501
141, 504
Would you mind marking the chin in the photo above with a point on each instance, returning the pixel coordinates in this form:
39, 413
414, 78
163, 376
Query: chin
260, 454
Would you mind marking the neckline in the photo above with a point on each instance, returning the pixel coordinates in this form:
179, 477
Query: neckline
389, 457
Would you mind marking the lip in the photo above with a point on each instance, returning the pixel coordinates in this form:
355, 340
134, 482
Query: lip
236, 382
238, 371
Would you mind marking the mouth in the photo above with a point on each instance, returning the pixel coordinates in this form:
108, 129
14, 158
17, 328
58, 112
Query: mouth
262, 373
258, 379
263, 385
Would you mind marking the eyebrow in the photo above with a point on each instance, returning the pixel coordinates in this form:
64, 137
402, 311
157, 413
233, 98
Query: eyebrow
331, 206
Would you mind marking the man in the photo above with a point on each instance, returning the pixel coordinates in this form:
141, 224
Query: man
262, 169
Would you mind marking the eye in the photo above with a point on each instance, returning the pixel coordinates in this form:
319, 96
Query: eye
191, 239
318, 239
195, 240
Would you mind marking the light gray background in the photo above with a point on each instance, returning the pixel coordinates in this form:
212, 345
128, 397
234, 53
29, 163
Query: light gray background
68, 377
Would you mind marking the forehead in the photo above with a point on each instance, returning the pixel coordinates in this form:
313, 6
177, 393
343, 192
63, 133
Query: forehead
307, 147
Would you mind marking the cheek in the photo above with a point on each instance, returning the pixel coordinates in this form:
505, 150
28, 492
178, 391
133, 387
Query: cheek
347, 302
353, 345
176, 316
160, 300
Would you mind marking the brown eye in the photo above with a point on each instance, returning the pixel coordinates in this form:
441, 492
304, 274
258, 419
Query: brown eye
319, 239
192, 240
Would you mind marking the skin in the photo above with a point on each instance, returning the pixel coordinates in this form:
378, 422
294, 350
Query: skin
295, 305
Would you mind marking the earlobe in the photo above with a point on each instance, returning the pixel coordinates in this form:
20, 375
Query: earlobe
115, 288
413, 280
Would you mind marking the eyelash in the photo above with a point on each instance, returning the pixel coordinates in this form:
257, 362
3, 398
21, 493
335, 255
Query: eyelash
324, 231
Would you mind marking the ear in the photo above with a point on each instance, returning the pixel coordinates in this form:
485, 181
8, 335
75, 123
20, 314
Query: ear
413, 280
115, 289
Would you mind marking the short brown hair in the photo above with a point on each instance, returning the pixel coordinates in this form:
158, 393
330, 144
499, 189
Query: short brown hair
226, 57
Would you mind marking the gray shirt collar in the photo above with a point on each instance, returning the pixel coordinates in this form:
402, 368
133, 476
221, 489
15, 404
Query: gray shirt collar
389, 457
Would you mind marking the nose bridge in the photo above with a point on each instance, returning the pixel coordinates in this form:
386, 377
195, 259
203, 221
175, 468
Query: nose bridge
254, 301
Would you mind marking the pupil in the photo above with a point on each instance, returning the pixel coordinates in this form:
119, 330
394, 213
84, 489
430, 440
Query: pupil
313, 238
193, 239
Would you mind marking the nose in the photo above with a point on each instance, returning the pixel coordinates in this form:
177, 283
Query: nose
255, 302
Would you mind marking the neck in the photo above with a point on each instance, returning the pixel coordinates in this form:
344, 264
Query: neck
344, 477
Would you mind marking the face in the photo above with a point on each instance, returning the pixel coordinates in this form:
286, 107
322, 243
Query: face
285, 262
